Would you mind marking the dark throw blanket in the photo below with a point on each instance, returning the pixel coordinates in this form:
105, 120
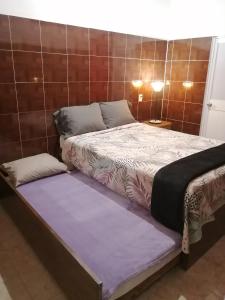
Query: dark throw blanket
170, 183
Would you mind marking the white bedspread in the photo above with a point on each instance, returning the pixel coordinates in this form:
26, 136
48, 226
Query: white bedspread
127, 157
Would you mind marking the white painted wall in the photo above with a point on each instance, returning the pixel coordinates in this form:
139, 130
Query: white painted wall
139, 17
166, 19
196, 18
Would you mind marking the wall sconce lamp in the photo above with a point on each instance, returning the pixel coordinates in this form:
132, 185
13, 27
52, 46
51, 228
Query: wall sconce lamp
187, 84
157, 85
137, 83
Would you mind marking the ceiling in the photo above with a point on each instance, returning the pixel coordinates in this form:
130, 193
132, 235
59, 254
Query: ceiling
165, 19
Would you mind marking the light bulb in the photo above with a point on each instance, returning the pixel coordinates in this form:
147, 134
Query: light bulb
157, 85
188, 84
137, 83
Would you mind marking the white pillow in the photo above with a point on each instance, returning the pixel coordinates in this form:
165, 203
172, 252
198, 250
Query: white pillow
32, 168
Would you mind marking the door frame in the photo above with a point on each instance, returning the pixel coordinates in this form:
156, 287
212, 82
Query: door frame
208, 87
209, 83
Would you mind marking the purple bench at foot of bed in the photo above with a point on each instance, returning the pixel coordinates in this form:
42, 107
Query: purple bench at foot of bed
114, 240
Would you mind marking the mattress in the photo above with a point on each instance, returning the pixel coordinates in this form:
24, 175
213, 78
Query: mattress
126, 159
127, 245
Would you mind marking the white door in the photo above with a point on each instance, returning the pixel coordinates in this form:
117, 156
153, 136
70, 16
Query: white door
213, 119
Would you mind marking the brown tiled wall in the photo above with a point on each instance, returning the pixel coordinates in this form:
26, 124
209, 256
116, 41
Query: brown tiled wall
44, 66
186, 60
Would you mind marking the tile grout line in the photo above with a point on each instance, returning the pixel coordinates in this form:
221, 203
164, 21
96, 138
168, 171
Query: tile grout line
184, 101
43, 85
125, 68
84, 55
82, 81
185, 94
167, 43
192, 123
153, 79
15, 88
140, 59
106, 56
67, 68
170, 74
108, 66
89, 66
50, 110
39, 138
139, 77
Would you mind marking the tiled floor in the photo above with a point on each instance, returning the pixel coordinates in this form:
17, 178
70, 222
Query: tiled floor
22, 276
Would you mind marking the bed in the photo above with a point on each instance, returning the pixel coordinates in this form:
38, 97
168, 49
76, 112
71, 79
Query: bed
126, 159
96, 243
95, 233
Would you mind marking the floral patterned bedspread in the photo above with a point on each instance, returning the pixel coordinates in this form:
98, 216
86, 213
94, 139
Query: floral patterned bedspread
127, 157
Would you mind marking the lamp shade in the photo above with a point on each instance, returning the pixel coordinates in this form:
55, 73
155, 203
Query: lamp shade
137, 83
188, 84
157, 85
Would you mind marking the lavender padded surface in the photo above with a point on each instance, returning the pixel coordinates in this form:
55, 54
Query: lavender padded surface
115, 238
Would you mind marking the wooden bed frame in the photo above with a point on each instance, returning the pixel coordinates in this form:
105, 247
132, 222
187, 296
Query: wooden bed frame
70, 272
211, 233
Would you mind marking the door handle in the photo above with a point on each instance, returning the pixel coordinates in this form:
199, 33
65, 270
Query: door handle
209, 105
